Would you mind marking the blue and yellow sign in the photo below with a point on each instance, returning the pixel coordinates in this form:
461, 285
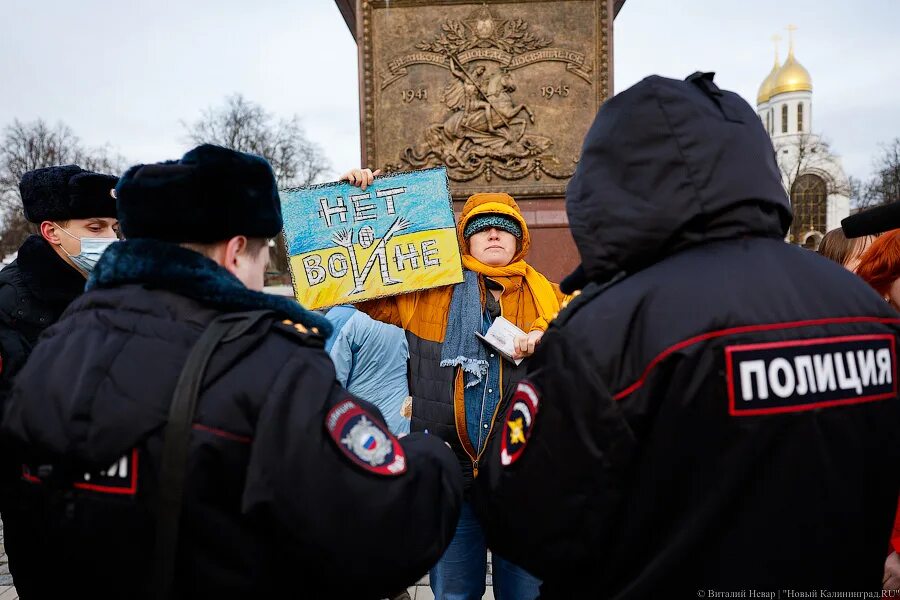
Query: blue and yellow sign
347, 245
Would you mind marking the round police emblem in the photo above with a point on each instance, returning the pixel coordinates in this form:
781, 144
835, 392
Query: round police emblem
368, 442
519, 423
364, 440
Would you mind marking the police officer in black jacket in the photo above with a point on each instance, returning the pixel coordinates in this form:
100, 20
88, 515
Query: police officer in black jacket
717, 411
292, 487
76, 216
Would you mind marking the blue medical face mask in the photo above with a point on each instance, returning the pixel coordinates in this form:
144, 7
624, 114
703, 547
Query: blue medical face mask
91, 250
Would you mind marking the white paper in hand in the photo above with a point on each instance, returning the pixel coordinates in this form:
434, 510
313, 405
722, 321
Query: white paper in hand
501, 336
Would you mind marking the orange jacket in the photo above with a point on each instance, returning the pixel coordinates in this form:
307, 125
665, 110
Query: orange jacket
424, 315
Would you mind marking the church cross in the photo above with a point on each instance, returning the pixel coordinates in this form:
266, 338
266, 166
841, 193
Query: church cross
791, 29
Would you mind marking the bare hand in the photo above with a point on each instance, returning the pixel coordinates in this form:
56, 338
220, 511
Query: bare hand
525, 344
360, 177
891, 580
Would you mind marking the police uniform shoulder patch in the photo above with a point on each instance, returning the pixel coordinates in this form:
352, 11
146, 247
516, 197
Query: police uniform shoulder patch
519, 423
364, 440
310, 335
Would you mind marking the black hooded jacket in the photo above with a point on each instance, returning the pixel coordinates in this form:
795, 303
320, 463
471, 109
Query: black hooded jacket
286, 492
718, 409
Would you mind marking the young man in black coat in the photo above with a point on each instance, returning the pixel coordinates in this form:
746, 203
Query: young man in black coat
717, 411
293, 487
76, 215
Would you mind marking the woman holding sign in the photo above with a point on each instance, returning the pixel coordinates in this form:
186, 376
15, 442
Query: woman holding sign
466, 345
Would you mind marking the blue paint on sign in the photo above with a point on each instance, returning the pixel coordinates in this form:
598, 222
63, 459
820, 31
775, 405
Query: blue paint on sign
312, 215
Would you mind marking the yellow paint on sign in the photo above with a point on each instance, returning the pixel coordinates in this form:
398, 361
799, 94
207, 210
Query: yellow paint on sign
414, 261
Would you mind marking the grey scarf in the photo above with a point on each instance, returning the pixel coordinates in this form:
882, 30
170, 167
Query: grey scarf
461, 348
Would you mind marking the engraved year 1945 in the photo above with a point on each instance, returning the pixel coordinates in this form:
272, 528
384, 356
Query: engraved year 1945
419, 94
549, 91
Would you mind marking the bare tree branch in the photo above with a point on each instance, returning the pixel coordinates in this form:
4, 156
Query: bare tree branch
858, 196
805, 153
33, 145
884, 186
806, 160
245, 126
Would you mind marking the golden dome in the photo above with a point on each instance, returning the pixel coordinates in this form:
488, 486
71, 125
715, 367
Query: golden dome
792, 77
765, 89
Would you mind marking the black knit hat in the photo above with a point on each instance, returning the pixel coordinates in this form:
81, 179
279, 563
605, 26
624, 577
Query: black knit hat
210, 195
66, 192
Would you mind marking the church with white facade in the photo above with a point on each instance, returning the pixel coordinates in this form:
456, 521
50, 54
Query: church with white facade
812, 175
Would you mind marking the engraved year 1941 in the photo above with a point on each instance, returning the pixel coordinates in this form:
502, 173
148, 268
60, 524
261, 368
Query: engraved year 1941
549, 91
419, 94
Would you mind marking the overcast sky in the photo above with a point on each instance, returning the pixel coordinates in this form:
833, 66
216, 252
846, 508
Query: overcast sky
127, 74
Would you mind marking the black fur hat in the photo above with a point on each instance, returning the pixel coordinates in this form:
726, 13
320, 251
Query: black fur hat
66, 192
210, 195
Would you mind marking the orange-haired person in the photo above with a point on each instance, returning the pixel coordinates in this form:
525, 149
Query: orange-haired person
879, 266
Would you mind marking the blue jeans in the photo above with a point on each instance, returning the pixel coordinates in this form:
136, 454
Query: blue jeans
459, 574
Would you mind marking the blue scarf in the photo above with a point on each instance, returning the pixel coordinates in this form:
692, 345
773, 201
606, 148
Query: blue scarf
461, 348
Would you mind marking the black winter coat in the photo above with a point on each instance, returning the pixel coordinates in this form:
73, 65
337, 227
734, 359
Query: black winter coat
720, 414
282, 495
34, 291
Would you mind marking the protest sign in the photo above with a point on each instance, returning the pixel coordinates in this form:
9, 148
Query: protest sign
347, 245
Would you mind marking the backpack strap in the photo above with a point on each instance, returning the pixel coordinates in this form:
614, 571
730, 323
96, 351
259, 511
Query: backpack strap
177, 437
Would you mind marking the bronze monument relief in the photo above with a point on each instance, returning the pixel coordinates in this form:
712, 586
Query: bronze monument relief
501, 93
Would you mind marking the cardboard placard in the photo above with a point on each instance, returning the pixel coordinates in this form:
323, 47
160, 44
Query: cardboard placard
346, 245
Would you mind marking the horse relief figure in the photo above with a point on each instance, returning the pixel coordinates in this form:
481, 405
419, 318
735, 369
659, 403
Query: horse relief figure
484, 125
503, 88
